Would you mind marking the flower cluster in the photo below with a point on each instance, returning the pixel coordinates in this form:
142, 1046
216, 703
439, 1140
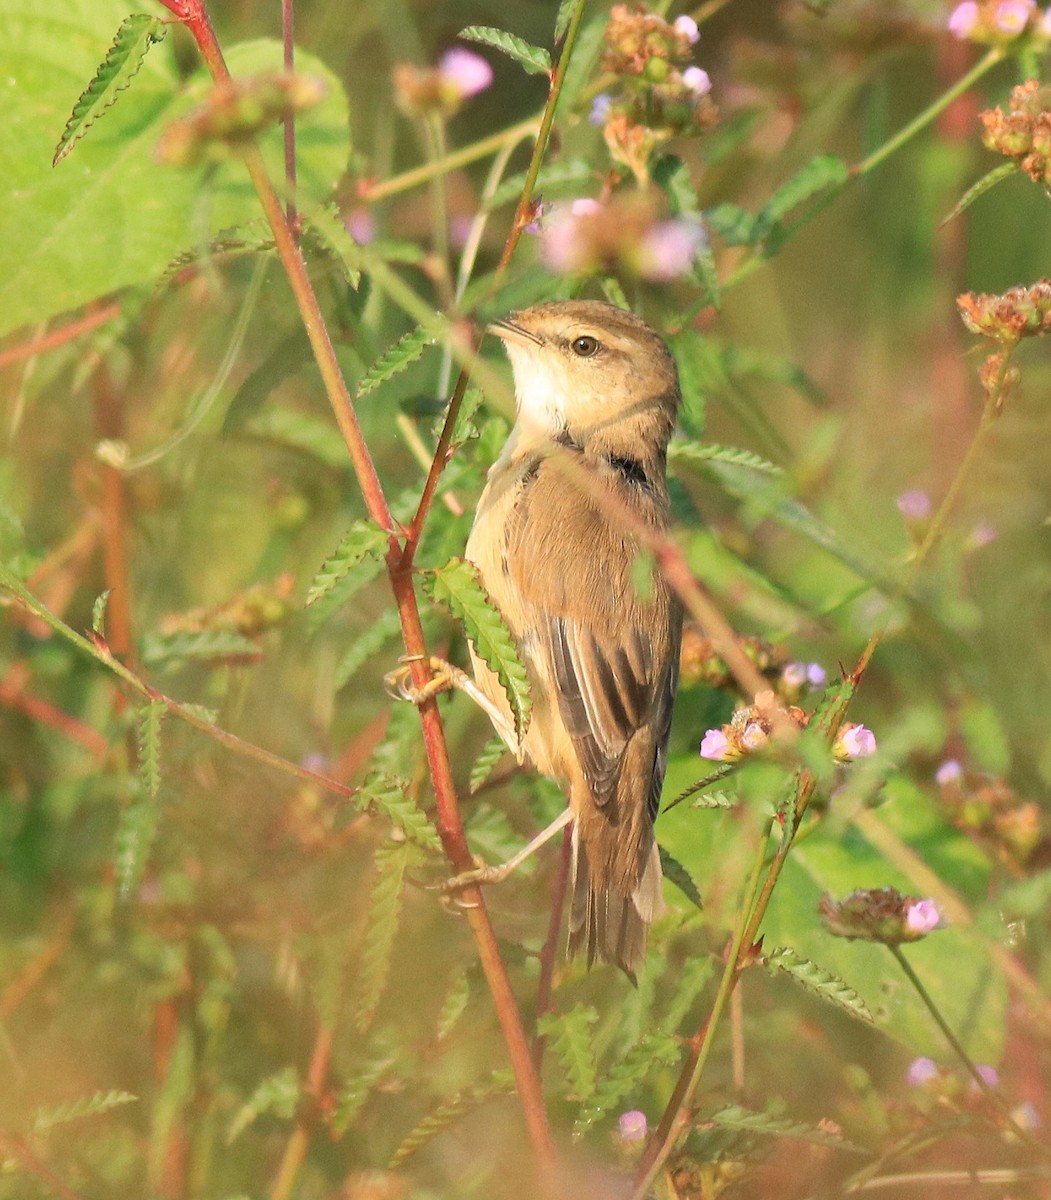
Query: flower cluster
750, 729
626, 235
1024, 132
988, 809
440, 90
659, 94
700, 662
998, 22
1019, 312
880, 915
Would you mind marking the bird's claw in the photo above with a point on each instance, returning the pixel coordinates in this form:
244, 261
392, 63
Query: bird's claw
481, 873
399, 685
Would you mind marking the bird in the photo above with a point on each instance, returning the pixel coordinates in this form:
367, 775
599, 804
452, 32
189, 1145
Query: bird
558, 540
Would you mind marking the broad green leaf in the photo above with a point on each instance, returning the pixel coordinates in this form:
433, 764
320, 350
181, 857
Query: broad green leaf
534, 59
572, 1039
735, 225
565, 14
405, 351
672, 176
303, 432
448, 1112
458, 585
817, 981
392, 861
108, 217
747, 1121
135, 36
87, 1106
277, 1094
364, 541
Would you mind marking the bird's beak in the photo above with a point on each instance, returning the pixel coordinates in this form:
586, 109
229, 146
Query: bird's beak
508, 331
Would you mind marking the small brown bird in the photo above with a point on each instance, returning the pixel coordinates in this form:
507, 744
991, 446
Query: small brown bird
597, 393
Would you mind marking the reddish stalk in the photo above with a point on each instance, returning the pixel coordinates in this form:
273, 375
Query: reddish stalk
18, 1149
13, 697
549, 951
299, 1142
59, 337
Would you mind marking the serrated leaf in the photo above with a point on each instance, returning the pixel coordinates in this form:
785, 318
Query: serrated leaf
571, 1039
453, 1006
715, 776
458, 585
150, 716
86, 1106
817, 981
687, 348
395, 359
533, 59
717, 800
332, 233
565, 14
651, 1053
392, 861
746, 1121
382, 630
987, 181
492, 752
672, 176
387, 795
219, 645
277, 1094
735, 225
363, 541
211, 715
135, 36
465, 427
356, 1090
708, 452
677, 873
98, 613
448, 1112
823, 172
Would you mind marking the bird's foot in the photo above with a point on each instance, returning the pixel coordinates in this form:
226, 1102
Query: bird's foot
443, 677
482, 872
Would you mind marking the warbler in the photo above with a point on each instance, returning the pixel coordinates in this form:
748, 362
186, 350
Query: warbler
597, 394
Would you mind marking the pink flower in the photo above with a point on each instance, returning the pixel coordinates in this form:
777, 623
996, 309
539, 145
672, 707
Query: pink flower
963, 19
1012, 16
921, 1070
754, 736
585, 207
697, 80
688, 26
922, 916
633, 1126
668, 249
949, 772
468, 73
715, 746
914, 505
990, 1074
361, 225
854, 741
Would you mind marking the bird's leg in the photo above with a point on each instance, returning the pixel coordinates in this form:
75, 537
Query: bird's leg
486, 874
445, 676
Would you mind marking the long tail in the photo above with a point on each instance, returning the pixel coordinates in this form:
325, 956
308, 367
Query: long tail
611, 922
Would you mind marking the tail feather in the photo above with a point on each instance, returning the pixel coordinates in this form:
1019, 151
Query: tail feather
607, 923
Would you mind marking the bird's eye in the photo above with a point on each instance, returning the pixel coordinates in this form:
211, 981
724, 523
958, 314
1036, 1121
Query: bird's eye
585, 346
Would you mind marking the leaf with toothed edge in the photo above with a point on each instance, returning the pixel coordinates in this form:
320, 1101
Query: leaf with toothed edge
533, 59
573, 1041
363, 542
817, 981
747, 1121
395, 359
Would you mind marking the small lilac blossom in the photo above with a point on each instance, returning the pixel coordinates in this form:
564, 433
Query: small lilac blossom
985, 531
921, 1070
754, 736
715, 746
854, 741
816, 675
633, 1126
536, 225
697, 80
963, 19
1012, 16
560, 245
466, 71
914, 505
584, 207
600, 107
688, 26
361, 225
794, 675
668, 249
922, 916
949, 772
990, 1074
1044, 29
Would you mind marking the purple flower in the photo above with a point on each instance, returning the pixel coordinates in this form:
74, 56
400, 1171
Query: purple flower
633, 1126
990, 1074
854, 741
963, 19
1012, 16
688, 26
914, 505
468, 73
697, 80
794, 675
715, 746
585, 207
600, 107
922, 916
815, 675
361, 225
949, 772
668, 249
921, 1070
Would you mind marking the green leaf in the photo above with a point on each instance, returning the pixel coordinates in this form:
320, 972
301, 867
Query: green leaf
392, 861
453, 1006
388, 796
565, 15
458, 585
746, 1121
696, 452
692, 977
653, 1052
303, 432
817, 981
672, 176
364, 541
492, 752
395, 359
534, 59
150, 716
677, 873
614, 293
687, 347
735, 225
89, 1106
572, 1040
448, 1112
324, 222
384, 629
98, 613
278, 1094
987, 181
137, 827
135, 36
821, 173
356, 1091
209, 645
556, 180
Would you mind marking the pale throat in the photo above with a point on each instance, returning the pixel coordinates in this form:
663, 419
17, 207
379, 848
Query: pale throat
540, 390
